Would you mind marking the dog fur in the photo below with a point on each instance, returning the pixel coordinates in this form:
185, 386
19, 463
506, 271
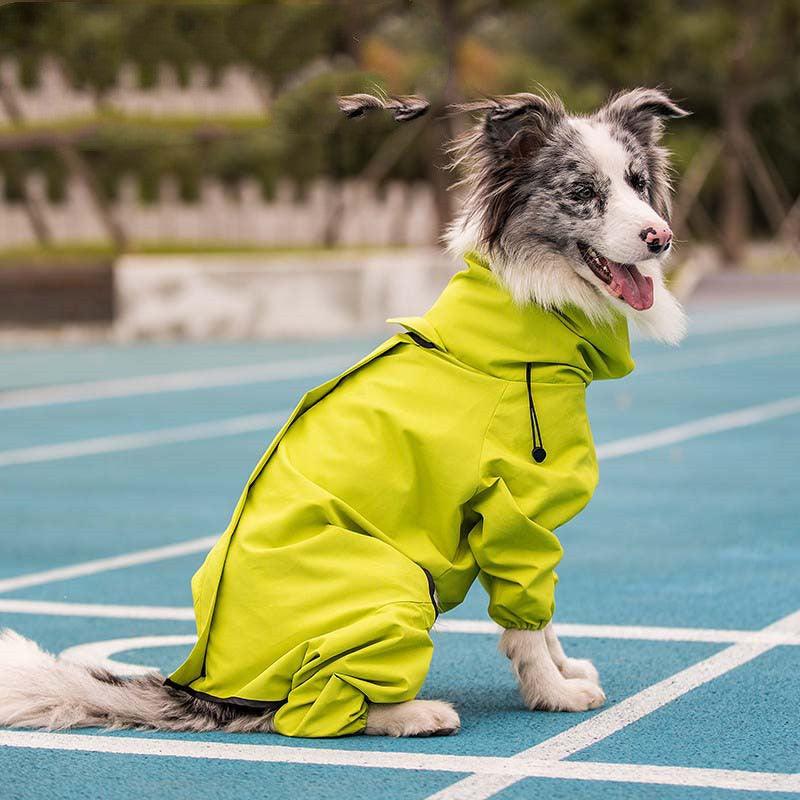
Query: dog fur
522, 161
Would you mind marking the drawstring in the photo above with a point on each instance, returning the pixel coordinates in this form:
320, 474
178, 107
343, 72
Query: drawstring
538, 453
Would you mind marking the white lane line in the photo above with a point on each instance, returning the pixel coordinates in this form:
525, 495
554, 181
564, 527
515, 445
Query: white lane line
288, 369
137, 441
621, 447
700, 427
615, 449
97, 654
630, 632
619, 716
717, 355
747, 319
270, 372
267, 372
569, 630
420, 762
256, 422
105, 564
95, 610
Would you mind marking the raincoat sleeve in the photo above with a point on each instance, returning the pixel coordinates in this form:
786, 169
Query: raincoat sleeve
518, 505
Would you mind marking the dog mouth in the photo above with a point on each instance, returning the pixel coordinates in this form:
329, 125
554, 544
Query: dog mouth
623, 281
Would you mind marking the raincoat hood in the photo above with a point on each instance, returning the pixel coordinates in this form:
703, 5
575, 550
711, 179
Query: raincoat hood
476, 320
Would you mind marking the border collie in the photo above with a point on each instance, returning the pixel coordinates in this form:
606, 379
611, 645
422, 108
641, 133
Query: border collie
569, 211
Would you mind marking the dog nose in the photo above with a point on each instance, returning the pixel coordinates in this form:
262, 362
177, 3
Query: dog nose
658, 238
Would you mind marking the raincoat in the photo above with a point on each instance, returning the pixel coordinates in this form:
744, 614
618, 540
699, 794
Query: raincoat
451, 452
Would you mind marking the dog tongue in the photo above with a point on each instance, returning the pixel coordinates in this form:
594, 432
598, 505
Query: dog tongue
630, 285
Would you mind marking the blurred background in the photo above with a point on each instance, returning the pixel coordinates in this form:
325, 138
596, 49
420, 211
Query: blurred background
181, 170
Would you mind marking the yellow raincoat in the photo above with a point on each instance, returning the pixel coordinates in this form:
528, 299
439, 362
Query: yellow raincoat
451, 452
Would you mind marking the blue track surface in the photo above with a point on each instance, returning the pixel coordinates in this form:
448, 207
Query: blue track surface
700, 534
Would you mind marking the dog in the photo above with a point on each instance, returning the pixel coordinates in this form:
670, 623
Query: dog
395, 485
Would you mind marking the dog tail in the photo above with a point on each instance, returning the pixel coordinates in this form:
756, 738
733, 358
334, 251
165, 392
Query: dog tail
38, 690
403, 109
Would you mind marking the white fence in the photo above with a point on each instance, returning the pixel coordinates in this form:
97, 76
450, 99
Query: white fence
236, 93
348, 213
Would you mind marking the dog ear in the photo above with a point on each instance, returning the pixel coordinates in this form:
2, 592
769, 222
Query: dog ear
403, 108
642, 112
516, 125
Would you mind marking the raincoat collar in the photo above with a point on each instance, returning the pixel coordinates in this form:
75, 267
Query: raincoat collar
477, 322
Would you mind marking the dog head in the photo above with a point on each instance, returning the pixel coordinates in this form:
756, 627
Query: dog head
573, 209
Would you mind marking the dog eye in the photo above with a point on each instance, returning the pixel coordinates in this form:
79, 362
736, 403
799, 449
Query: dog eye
638, 182
584, 192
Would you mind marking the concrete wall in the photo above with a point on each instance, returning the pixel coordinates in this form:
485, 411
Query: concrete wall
198, 297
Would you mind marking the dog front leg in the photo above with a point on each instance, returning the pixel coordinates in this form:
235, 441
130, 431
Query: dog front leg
569, 667
540, 682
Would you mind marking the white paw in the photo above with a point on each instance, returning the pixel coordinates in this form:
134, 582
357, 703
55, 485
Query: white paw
580, 668
577, 694
414, 718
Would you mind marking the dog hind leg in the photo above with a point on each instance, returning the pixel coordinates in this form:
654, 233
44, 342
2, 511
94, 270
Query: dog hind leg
412, 718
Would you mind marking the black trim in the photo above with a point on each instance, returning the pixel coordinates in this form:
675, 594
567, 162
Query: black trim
417, 339
431, 591
254, 706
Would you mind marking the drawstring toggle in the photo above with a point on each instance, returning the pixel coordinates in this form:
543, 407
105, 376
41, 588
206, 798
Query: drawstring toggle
538, 454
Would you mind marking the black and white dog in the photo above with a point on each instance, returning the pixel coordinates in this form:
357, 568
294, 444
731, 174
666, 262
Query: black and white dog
573, 209
569, 210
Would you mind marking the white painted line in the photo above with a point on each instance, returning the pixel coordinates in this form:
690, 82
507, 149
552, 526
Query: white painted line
97, 653
465, 626
136, 441
717, 355
106, 564
274, 371
629, 632
700, 427
95, 610
747, 319
419, 762
619, 716
268, 372
256, 422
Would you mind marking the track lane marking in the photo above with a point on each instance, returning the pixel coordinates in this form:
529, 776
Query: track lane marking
88, 391
274, 371
98, 445
717, 423
486, 766
106, 564
717, 355
705, 426
626, 712
463, 626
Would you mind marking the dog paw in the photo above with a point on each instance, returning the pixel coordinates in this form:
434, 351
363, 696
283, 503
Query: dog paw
414, 718
580, 668
579, 694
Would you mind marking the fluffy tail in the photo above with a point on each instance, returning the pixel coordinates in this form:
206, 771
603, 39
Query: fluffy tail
38, 690
403, 109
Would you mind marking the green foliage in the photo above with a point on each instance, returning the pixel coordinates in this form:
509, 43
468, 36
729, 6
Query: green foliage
304, 53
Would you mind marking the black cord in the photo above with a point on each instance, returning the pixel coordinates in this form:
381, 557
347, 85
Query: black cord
538, 453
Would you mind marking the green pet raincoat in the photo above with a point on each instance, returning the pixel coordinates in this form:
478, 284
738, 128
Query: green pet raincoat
451, 452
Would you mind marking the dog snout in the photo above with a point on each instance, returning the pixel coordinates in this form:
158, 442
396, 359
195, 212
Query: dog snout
657, 237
